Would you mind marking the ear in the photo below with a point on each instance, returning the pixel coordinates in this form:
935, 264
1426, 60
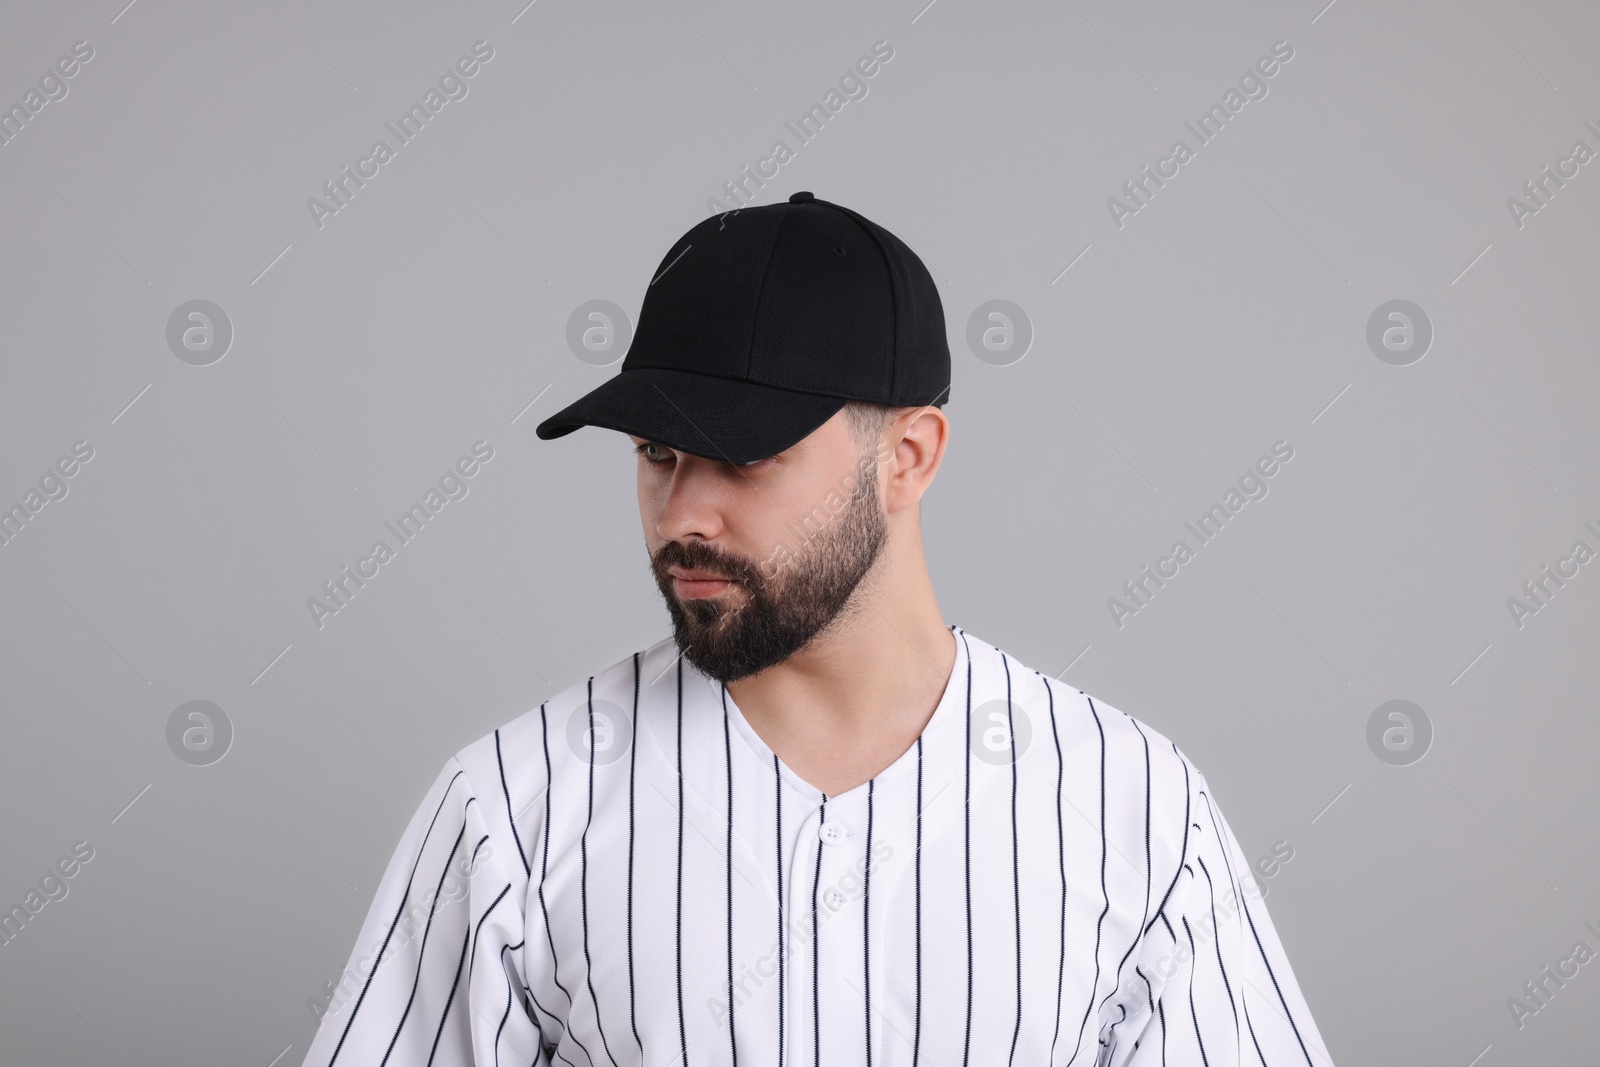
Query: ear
913, 448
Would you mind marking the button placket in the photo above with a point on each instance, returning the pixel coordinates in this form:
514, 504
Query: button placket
838, 854
837, 950
799, 955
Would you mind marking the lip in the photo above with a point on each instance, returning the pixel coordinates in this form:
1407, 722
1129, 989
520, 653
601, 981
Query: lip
698, 590
692, 575
697, 584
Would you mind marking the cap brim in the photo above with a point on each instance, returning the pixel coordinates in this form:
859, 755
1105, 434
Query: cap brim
716, 418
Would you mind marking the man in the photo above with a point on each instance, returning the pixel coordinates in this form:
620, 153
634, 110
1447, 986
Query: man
817, 825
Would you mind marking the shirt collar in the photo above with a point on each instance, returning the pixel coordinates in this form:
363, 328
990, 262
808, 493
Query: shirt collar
948, 714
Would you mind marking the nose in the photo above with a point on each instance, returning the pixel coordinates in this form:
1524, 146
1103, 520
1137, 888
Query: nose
693, 501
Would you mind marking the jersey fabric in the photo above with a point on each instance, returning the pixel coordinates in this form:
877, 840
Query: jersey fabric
628, 875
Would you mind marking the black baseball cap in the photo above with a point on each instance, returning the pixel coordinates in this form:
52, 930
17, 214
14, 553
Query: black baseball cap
761, 323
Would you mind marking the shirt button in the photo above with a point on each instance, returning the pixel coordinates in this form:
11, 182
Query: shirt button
832, 833
834, 899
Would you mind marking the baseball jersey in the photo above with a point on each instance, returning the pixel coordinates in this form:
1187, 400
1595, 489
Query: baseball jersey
628, 875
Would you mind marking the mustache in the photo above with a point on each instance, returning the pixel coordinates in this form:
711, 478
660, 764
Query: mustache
697, 555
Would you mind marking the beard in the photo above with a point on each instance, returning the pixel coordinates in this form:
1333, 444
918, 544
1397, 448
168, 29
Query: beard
728, 640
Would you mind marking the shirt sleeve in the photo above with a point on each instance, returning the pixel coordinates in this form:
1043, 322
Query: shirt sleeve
436, 976
1217, 987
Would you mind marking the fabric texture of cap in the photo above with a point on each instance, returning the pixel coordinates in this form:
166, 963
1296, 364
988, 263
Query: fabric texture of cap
762, 323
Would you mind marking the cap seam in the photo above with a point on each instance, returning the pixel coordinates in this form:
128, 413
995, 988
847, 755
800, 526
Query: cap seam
761, 290
746, 380
894, 300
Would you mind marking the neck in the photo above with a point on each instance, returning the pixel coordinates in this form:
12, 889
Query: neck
848, 704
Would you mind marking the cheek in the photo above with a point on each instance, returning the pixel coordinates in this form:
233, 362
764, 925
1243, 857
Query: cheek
647, 504
651, 487
649, 510
657, 507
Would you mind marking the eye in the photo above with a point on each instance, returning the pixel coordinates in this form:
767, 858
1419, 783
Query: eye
653, 458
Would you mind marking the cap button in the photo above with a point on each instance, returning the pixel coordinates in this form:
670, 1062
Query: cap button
801, 197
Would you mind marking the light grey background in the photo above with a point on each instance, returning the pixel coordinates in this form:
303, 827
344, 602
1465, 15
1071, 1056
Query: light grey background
431, 313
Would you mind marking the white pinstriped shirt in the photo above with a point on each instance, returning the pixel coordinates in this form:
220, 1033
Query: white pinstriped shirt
628, 875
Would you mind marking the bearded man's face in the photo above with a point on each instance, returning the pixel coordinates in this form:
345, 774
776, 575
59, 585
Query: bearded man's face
769, 612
